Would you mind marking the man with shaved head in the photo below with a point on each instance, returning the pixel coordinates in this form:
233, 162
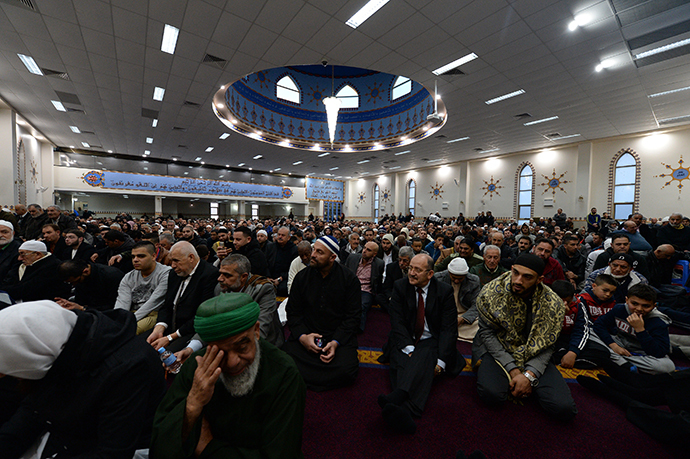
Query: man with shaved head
369, 270
191, 281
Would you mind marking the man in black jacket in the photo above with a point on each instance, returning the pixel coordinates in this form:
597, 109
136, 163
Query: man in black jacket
395, 271
620, 243
421, 344
572, 260
95, 285
76, 248
64, 222
286, 251
191, 281
94, 387
247, 246
9, 249
36, 277
36, 222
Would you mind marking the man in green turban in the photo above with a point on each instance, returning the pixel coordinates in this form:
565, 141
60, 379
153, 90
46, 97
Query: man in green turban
241, 396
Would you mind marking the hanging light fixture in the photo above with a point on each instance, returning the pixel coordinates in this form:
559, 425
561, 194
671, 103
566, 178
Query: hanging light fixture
332, 104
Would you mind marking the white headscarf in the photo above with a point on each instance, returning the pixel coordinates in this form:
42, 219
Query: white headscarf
32, 335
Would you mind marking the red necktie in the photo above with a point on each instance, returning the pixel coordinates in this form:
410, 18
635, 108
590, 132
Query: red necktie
419, 325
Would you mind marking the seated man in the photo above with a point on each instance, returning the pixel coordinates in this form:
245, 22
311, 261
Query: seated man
299, 263
241, 397
553, 271
491, 268
466, 287
369, 270
191, 281
9, 249
510, 355
76, 248
421, 344
620, 268
324, 310
36, 278
636, 333
394, 271
91, 406
142, 291
53, 239
448, 254
95, 286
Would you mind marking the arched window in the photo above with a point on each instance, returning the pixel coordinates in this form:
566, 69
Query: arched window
376, 202
349, 97
286, 89
524, 193
411, 196
625, 179
401, 87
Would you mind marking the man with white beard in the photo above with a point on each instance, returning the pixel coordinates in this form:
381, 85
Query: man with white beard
241, 396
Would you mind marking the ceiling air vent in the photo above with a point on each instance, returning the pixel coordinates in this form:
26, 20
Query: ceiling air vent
440, 136
68, 98
27, 4
189, 103
55, 74
183, 146
455, 71
214, 61
88, 132
478, 149
75, 110
553, 135
178, 128
148, 113
522, 116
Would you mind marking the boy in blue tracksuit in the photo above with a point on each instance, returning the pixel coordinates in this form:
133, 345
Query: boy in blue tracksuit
636, 333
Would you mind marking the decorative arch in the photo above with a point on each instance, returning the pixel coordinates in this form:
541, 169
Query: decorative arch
287, 89
621, 196
411, 196
376, 201
348, 96
523, 185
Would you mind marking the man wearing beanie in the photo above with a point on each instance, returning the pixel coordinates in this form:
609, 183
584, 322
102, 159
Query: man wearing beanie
466, 287
323, 313
519, 322
94, 386
240, 397
620, 268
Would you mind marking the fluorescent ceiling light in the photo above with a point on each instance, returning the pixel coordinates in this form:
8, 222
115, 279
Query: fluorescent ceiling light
454, 64
297, 163
158, 93
434, 160
240, 165
674, 119
324, 154
579, 21
566, 137
198, 158
75, 129
365, 13
85, 145
664, 48
489, 151
209, 150
147, 152
402, 152
505, 96
30, 64
458, 140
224, 136
363, 161
333, 168
277, 169
58, 106
541, 121
154, 123
658, 94
393, 168
169, 42
258, 157
149, 139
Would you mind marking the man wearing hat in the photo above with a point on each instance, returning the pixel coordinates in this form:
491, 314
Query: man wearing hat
388, 253
323, 313
240, 397
421, 344
621, 268
9, 249
519, 322
466, 287
36, 278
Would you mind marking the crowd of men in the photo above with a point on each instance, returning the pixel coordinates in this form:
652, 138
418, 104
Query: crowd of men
260, 311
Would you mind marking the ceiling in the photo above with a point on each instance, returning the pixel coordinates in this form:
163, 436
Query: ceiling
103, 60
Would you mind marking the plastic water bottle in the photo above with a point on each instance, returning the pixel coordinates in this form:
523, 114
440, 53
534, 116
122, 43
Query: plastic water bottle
169, 360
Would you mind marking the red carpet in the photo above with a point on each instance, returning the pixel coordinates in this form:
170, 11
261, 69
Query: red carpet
347, 423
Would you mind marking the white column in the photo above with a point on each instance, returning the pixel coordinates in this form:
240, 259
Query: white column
8, 159
158, 206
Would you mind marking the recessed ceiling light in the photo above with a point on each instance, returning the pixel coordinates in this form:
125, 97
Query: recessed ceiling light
435, 160
365, 13
158, 93
393, 168
209, 150
202, 162
221, 176
458, 140
58, 106
566, 137
154, 123
224, 136
250, 169
606, 63
110, 151
271, 171
75, 129
149, 139
240, 165
297, 163
174, 159
277, 169
505, 96
658, 94
324, 154
664, 48
489, 151
402, 152
147, 152
30, 64
146, 168
579, 21
169, 42
456, 63
258, 157
541, 121
198, 158
85, 145
363, 161
186, 173
189, 167
333, 168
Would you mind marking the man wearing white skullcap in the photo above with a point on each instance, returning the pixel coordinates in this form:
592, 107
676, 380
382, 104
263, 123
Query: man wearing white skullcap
36, 277
466, 288
96, 386
9, 248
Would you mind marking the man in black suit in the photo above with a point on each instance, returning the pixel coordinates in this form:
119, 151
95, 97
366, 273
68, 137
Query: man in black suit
394, 272
421, 344
369, 270
36, 277
76, 248
56, 217
191, 281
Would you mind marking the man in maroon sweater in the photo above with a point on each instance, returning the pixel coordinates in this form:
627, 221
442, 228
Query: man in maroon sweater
543, 248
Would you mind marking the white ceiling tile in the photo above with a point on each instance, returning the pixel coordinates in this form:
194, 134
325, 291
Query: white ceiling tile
189, 46
129, 25
94, 14
201, 18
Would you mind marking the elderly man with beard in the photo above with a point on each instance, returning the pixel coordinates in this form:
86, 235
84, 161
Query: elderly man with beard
241, 397
323, 311
9, 249
519, 322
